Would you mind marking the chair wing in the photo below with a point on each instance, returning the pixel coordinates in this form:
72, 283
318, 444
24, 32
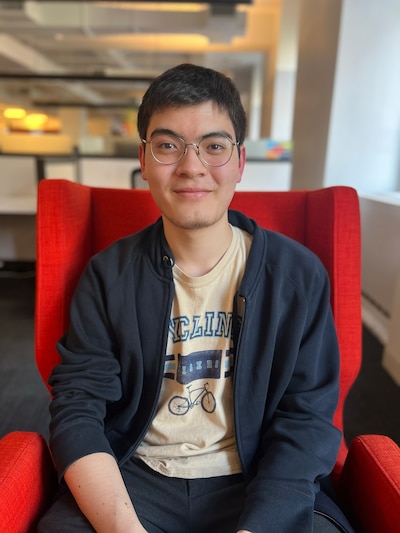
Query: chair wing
73, 223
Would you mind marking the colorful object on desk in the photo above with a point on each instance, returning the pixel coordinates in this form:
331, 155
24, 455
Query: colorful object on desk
278, 150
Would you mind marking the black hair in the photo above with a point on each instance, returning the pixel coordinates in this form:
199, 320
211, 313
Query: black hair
186, 85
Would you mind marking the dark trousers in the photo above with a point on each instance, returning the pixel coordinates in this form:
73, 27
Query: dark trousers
168, 505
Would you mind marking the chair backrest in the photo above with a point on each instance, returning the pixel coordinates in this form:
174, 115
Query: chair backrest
75, 221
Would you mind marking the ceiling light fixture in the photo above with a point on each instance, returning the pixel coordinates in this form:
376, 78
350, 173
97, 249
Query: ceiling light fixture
188, 7
35, 121
14, 113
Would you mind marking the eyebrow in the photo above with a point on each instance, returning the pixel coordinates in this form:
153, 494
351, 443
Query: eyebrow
167, 131
164, 131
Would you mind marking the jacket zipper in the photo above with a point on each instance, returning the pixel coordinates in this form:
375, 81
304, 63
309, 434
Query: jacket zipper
240, 309
160, 378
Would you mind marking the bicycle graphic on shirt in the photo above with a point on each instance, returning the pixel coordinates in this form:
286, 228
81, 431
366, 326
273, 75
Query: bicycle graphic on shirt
180, 405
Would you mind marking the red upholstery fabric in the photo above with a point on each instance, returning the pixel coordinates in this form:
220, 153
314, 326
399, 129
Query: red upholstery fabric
336, 218
27, 480
75, 221
370, 484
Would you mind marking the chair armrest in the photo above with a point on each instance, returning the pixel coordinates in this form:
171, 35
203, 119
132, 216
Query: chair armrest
369, 485
27, 480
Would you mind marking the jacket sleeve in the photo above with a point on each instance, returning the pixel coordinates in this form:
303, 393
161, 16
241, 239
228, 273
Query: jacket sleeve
297, 443
87, 378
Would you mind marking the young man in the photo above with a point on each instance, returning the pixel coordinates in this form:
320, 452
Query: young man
199, 375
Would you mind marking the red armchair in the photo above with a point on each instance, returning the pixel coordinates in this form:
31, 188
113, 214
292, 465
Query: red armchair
75, 221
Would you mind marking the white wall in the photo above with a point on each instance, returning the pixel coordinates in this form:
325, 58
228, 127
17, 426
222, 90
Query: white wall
364, 136
285, 75
107, 172
266, 176
17, 176
380, 217
18, 187
380, 232
319, 27
363, 151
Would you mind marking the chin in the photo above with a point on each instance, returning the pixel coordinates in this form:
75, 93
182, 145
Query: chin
190, 222
194, 224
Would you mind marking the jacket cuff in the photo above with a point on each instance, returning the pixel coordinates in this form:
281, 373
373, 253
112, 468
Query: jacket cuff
79, 441
277, 509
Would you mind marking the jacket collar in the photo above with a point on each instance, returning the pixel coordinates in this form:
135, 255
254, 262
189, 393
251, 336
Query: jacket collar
163, 260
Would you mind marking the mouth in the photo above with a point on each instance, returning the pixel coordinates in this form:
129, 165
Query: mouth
192, 193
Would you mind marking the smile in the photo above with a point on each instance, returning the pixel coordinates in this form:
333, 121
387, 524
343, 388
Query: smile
192, 193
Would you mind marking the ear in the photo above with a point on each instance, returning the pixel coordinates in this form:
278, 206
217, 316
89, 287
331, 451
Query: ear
142, 158
242, 162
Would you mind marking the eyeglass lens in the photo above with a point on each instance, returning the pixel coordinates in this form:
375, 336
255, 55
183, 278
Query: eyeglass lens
215, 150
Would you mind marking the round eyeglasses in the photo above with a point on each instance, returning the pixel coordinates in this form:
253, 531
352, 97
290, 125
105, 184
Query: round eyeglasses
214, 150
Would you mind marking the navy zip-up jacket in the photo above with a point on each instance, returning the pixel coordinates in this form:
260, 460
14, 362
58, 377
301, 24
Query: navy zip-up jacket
286, 368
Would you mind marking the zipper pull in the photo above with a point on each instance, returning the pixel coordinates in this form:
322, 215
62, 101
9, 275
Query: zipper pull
240, 305
168, 261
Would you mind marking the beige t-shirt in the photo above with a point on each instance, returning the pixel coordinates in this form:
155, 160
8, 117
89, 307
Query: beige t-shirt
192, 434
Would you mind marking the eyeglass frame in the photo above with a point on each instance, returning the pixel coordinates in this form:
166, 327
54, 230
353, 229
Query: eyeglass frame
195, 145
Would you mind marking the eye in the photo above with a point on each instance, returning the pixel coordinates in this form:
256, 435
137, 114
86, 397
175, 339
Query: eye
163, 143
166, 146
215, 145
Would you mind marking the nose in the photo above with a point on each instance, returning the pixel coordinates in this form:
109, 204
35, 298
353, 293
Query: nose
193, 145
190, 164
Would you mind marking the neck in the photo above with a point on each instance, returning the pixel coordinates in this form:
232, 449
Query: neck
197, 251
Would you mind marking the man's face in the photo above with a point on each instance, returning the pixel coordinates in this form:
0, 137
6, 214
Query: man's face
189, 193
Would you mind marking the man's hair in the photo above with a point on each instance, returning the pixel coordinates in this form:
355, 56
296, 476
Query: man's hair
187, 85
